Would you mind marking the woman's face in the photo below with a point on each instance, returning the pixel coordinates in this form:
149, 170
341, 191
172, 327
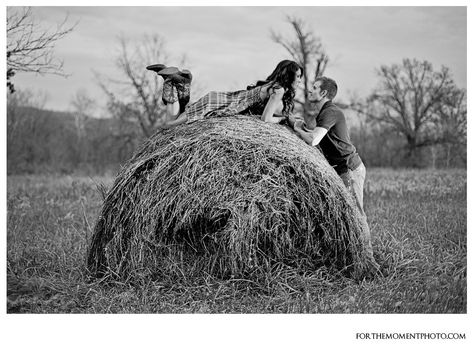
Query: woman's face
297, 80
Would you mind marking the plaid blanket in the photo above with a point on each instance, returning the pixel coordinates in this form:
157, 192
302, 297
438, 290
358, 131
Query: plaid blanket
219, 104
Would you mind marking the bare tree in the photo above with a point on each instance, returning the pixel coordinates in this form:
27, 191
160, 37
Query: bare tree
136, 96
16, 104
415, 101
22, 124
307, 50
451, 125
452, 118
31, 48
82, 105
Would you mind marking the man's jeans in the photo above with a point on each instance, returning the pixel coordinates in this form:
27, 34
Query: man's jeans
354, 181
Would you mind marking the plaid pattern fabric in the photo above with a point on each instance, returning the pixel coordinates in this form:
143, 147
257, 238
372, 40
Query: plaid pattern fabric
219, 104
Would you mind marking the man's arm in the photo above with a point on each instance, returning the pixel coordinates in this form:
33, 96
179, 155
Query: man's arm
312, 138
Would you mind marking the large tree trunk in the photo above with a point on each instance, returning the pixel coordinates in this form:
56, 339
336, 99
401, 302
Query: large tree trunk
413, 154
448, 155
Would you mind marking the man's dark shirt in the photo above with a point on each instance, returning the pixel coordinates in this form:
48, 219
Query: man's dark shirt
336, 144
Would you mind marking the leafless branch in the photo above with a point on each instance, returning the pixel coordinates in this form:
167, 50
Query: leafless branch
307, 50
30, 48
422, 104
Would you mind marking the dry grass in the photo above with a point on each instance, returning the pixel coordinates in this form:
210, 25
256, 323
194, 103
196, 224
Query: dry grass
231, 197
418, 220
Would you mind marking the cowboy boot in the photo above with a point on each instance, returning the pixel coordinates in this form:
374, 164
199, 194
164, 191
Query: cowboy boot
183, 86
181, 80
156, 67
170, 94
169, 72
177, 76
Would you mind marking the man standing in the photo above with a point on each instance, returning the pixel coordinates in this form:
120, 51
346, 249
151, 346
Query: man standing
332, 136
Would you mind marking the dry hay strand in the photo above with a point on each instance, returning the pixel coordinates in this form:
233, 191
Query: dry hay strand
228, 196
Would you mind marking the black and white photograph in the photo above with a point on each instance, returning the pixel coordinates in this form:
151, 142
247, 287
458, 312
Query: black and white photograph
211, 175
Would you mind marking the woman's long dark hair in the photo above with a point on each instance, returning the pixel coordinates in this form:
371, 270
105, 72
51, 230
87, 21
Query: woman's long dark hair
284, 75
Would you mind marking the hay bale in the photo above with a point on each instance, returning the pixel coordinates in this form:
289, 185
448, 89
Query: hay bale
230, 195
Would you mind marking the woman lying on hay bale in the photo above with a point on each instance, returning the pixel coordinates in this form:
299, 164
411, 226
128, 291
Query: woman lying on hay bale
226, 196
272, 98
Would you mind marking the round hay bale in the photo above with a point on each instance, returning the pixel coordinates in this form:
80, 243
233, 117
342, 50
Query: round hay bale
231, 196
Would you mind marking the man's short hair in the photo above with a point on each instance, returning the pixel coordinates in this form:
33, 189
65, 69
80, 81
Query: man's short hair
329, 85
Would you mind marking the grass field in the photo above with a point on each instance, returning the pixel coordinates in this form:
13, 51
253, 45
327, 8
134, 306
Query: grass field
418, 221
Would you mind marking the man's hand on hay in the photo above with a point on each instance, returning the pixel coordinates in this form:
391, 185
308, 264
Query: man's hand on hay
298, 124
293, 121
303, 134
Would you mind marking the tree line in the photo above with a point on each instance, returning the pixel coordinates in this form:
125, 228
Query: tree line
44, 141
415, 117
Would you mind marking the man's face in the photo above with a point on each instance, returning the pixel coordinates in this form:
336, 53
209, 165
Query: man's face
315, 93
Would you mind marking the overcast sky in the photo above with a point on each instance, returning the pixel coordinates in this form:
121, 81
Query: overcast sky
230, 47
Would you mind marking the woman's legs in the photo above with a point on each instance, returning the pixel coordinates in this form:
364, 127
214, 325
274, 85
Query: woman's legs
176, 91
172, 111
170, 99
173, 116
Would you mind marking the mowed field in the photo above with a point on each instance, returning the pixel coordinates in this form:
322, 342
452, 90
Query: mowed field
418, 221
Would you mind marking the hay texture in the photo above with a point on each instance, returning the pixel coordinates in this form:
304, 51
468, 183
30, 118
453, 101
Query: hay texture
231, 196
